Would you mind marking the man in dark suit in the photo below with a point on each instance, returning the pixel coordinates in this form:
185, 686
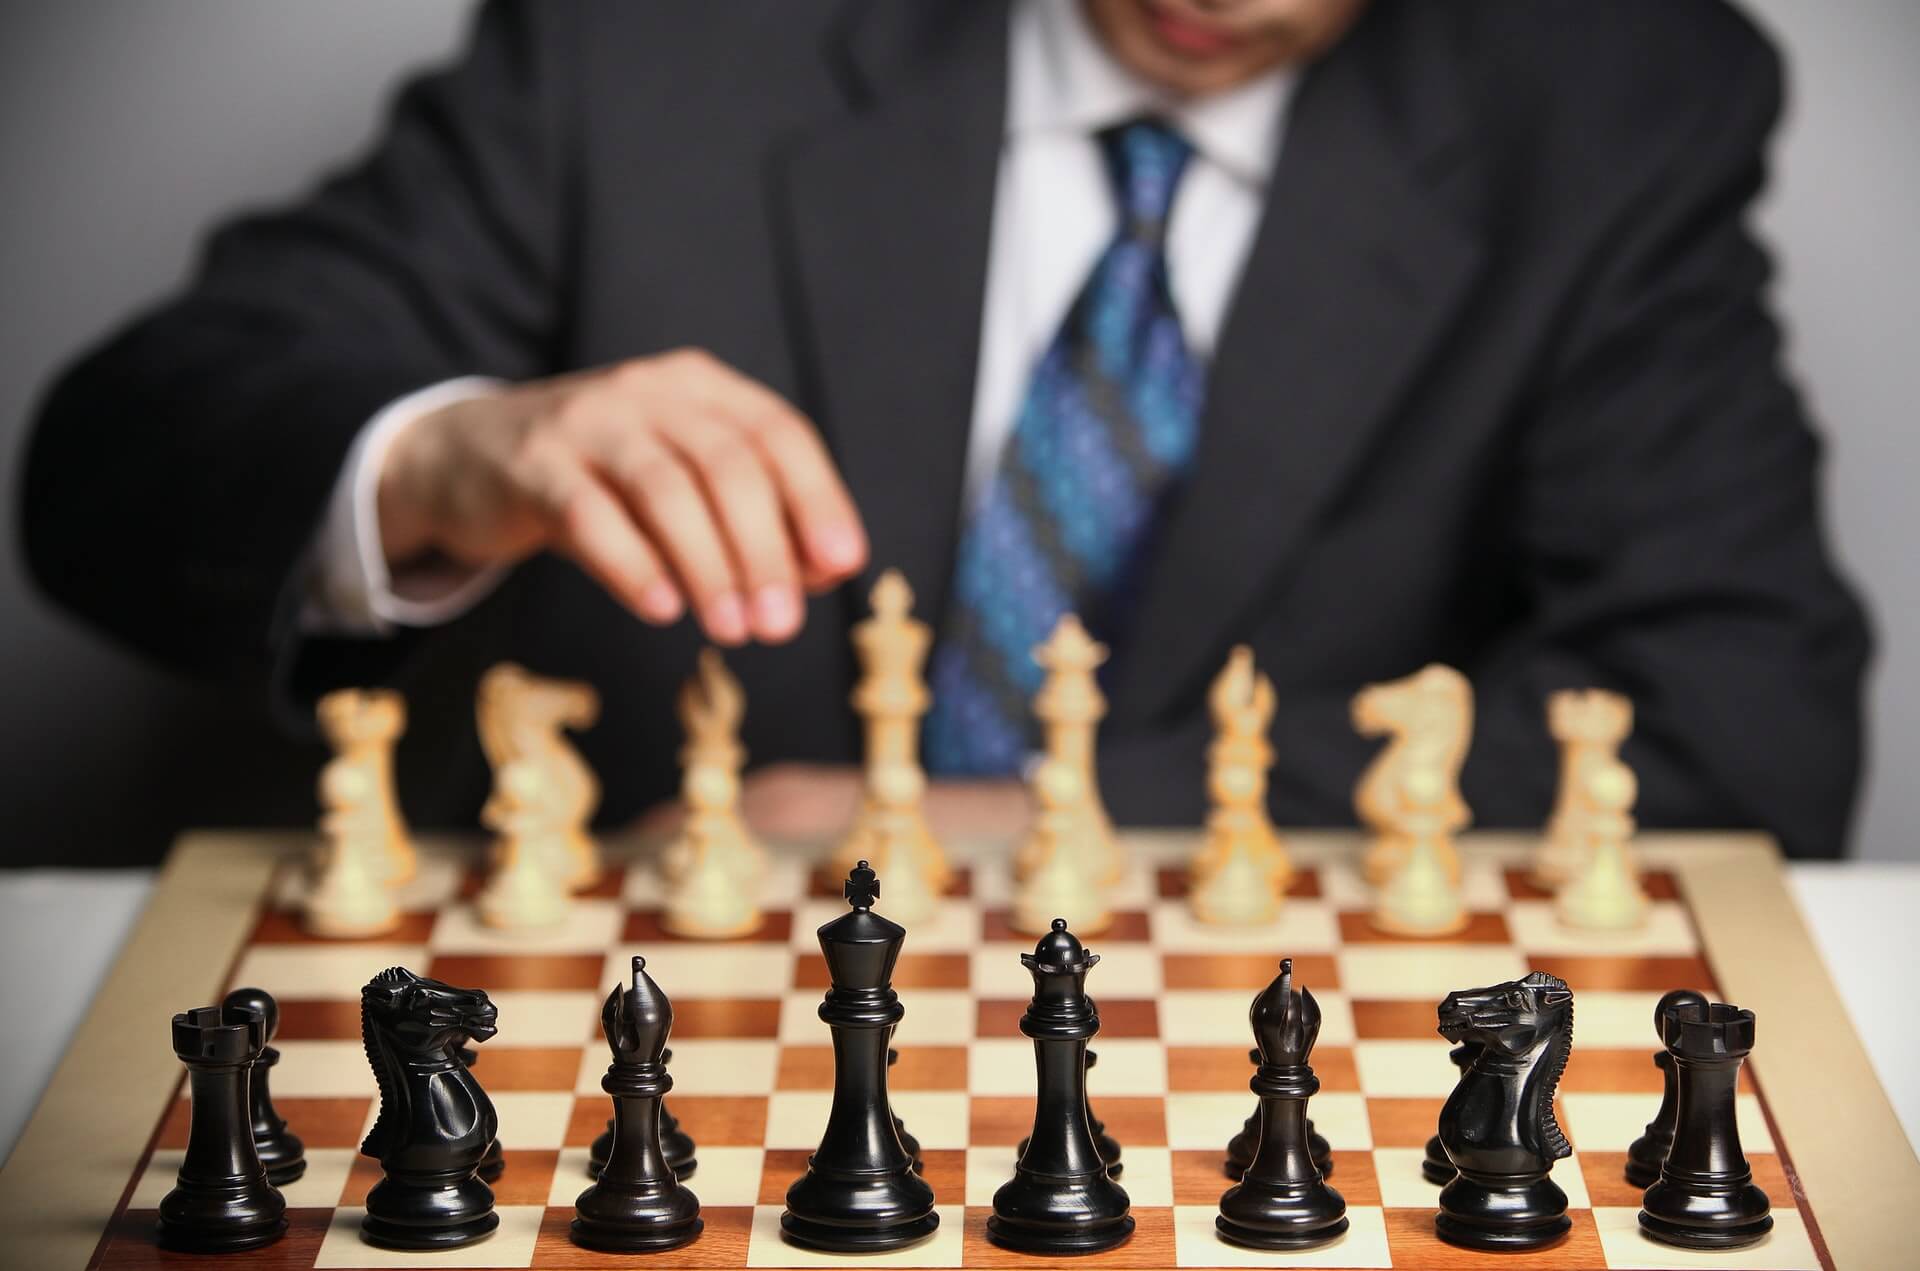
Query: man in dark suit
1368, 335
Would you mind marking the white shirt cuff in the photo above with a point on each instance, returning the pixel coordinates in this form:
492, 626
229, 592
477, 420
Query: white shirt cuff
352, 591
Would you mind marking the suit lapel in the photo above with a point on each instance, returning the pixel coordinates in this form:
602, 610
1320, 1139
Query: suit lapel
885, 215
1355, 271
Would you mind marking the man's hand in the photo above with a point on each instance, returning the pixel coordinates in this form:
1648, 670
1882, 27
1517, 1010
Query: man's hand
674, 480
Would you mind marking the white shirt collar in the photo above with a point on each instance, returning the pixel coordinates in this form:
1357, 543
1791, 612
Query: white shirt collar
1064, 80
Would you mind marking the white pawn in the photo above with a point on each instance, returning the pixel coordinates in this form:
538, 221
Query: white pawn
350, 899
895, 836
713, 893
1238, 892
1605, 894
1062, 883
1420, 899
526, 890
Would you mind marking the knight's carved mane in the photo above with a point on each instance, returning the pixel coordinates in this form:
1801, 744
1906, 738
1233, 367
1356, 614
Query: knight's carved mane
1546, 1076
384, 1063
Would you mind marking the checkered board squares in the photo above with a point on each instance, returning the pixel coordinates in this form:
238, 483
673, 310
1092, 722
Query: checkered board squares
753, 1065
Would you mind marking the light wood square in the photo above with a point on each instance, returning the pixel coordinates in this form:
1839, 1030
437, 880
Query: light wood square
1610, 1020
511, 1245
938, 1118
1405, 1068
1218, 1017
1786, 1248
533, 1119
935, 1017
1302, 926
322, 1070
546, 1017
590, 926
1603, 1121
765, 1248
1414, 969
702, 1066
324, 972
686, 969
1197, 1243
1206, 1120
1666, 932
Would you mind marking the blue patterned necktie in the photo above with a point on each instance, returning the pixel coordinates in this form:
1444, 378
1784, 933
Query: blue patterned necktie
1107, 426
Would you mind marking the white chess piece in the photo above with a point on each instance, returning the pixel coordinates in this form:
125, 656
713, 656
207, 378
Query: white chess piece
1420, 899
1605, 894
715, 894
1238, 892
350, 899
1062, 882
893, 832
526, 890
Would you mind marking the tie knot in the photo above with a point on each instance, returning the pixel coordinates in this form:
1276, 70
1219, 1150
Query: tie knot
1147, 158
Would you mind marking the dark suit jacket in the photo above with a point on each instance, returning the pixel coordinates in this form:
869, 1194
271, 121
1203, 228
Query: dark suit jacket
1498, 388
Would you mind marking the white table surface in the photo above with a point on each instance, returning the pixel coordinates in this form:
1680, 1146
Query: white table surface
61, 929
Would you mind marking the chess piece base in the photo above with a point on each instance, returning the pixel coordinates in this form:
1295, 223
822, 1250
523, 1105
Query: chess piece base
1450, 927
1257, 1238
1262, 1215
1436, 1168
635, 1218
832, 1238
1023, 1237
622, 1240
181, 1239
284, 1156
1722, 1218
1641, 1171
446, 1217
1476, 1214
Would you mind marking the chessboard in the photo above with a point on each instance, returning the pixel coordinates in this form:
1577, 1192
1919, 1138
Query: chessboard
753, 1070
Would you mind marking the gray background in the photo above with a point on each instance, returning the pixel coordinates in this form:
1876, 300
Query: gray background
127, 127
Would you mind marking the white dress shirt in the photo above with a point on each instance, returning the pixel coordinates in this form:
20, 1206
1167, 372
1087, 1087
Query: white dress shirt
1054, 212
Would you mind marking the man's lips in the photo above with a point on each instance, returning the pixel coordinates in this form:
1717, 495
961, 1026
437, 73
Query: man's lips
1189, 37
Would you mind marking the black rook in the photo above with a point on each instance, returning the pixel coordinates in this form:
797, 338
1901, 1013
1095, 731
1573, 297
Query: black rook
223, 1201
1705, 1197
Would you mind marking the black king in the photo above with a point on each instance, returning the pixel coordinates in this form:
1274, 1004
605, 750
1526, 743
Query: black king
1060, 1198
860, 1194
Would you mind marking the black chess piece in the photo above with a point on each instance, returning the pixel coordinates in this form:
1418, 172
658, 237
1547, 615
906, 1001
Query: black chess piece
1104, 1143
280, 1151
1436, 1166
636, 1205
1705, 1197
860, 1194
1649, 1151
1060, 1198
1282, 1202
1497, 1126
222, 1201
1241, 1147
674, 1141
435, 1122
907, 1141
494, 1163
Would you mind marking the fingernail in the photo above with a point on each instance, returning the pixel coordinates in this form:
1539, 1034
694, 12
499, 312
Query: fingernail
660, 602
776, 611
838, 546
727, 619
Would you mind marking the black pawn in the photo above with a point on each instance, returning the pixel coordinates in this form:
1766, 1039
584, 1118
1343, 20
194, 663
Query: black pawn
1436, 1166
674, 1141
1283, 1202
494, 1163
283, 1154
1649, 1151
1104, 1143
860, 1194
222, 1201
1705, 1197
636, 1205
907, 1141
1060, 1198
1241, 1147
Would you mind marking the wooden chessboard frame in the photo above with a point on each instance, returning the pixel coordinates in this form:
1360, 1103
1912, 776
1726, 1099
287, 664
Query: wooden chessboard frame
75, 1162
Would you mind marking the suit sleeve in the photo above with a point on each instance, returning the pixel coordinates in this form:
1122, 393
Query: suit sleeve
176, 475
1666, 522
